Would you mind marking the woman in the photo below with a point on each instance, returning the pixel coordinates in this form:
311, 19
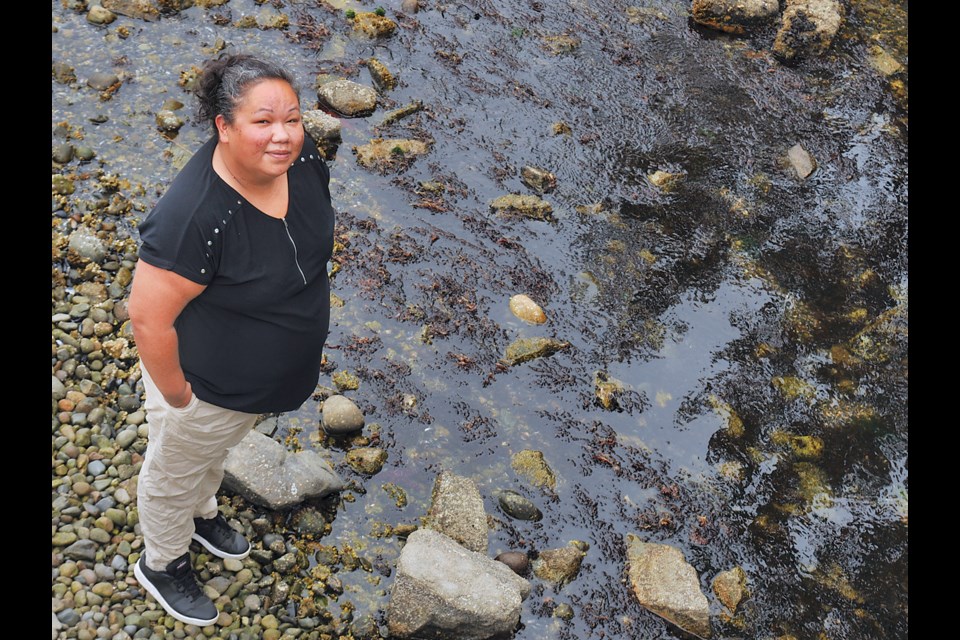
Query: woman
230, 310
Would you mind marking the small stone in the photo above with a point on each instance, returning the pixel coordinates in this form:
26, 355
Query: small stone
730, 587
665, 181
168, 121
366, 460
563, 611
519, 562
538, 179
63, 153
559, 566
102, 81
524, 349
410, 6
518, 507
341, 415
801, 161
99, 15
526, 309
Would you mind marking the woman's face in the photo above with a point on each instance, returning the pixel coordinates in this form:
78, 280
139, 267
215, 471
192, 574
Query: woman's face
266, 134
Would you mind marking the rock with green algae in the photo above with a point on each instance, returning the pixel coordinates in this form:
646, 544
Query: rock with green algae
531, 465
528, 206
383, 153
524, 349
383, 80
807, 447
373, 25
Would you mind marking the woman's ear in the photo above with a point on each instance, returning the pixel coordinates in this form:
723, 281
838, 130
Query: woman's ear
221, 123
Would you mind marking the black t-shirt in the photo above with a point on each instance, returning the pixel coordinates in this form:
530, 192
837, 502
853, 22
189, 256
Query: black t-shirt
253, 340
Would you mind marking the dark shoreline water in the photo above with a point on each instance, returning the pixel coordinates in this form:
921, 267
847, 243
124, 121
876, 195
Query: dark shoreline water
757, 322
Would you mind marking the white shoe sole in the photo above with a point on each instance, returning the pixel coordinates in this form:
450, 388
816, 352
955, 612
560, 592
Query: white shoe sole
152, 590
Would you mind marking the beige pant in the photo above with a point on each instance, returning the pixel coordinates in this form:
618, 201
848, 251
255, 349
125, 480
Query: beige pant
182, 469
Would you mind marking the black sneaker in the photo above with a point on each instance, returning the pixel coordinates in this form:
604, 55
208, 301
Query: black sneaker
177, 591
219, 538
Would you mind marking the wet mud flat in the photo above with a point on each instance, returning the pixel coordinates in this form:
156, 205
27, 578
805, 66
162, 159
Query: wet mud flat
733, 380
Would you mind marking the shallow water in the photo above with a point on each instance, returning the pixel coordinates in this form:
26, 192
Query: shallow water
707, 302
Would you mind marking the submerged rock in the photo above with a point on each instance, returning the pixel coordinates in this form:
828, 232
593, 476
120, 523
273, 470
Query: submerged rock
532, 466
561, 44
607, 390
348, 98
664, 583
808, 27
883, 61
456, 510
664, 180
733, 16
801, 161
538, 179
265, 473
444, 591
366, 460
168, 121
525, 205
402, 112
102, 81
525, 349
518, 507
526, 309
730, 587
559, 566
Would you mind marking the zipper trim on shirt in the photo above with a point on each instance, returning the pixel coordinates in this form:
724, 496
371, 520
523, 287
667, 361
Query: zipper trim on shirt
296, 260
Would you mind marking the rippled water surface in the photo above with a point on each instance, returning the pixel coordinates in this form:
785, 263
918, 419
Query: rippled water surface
757, 323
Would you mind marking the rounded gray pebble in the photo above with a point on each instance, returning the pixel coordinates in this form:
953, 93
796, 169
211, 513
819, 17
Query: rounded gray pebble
59, 391
518, 507
126, 437
96, 467
341, 415
69, 617
119, 563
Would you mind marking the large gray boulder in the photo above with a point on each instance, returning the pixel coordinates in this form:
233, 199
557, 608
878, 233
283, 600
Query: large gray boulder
456, 510
444, 591
262, 471
667, 585
808, 27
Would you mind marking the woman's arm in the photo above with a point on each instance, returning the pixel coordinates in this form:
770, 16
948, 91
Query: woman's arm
157, 297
